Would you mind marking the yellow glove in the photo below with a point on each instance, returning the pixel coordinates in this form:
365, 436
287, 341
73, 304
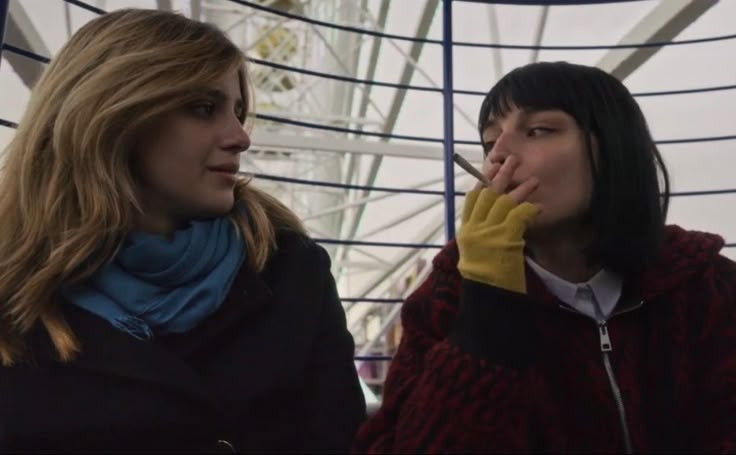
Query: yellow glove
491, 239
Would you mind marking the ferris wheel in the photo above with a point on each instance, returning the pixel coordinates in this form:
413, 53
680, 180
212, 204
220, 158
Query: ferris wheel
349, 117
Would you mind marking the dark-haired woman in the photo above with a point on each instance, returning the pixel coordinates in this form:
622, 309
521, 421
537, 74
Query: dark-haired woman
566, 316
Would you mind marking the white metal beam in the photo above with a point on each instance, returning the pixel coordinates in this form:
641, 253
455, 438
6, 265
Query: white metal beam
540, 32
410, 66
663, 23
22, 33
373, 58
495, 38
164, 5
374, 198
401, 260
262, 139
68, 20
195, 7
404, 217
353, 166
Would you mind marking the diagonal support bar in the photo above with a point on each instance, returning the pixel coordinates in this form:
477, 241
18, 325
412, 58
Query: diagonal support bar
666, 21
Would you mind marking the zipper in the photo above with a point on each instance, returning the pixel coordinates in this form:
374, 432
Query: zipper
606, 348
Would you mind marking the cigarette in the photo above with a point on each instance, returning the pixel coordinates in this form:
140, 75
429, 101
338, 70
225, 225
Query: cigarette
463, 163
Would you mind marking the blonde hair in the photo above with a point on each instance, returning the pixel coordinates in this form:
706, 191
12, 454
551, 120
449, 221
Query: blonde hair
67, 196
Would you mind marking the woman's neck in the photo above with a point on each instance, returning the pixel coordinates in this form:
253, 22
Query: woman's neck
161, 225
563, 254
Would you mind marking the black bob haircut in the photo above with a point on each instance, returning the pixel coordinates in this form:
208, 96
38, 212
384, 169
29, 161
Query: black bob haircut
631, 187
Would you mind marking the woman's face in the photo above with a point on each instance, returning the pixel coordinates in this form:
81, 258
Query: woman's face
188, 166
550, 146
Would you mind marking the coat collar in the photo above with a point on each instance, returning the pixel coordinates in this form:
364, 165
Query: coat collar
108, 351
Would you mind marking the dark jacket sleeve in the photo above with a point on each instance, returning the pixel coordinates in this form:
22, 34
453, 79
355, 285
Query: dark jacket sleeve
710, 423
460, 370
338, 404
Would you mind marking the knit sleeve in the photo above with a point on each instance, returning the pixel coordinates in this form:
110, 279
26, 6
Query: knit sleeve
459, 381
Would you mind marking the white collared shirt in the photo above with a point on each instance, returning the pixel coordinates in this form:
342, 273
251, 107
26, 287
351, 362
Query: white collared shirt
596, 298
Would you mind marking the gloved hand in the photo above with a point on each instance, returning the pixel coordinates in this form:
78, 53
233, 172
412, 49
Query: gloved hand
491, 240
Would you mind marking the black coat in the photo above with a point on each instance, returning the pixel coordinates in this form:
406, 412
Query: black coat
272, 370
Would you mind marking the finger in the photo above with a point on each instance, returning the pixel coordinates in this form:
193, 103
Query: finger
505, 173
522, 192
470, 199
487, 163
486, 200
500, 210
492, 171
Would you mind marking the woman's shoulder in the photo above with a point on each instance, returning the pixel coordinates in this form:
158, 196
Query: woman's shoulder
724, 279
296, 245
695, 268
296, 252
686, 258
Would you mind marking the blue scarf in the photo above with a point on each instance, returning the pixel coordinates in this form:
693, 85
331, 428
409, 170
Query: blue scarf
155, 285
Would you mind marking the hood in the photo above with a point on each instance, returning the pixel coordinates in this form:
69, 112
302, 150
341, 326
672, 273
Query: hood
684, 254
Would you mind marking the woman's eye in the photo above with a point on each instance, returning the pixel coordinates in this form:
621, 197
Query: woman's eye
204, 110
539, 130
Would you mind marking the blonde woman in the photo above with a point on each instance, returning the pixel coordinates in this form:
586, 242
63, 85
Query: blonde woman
151, 299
